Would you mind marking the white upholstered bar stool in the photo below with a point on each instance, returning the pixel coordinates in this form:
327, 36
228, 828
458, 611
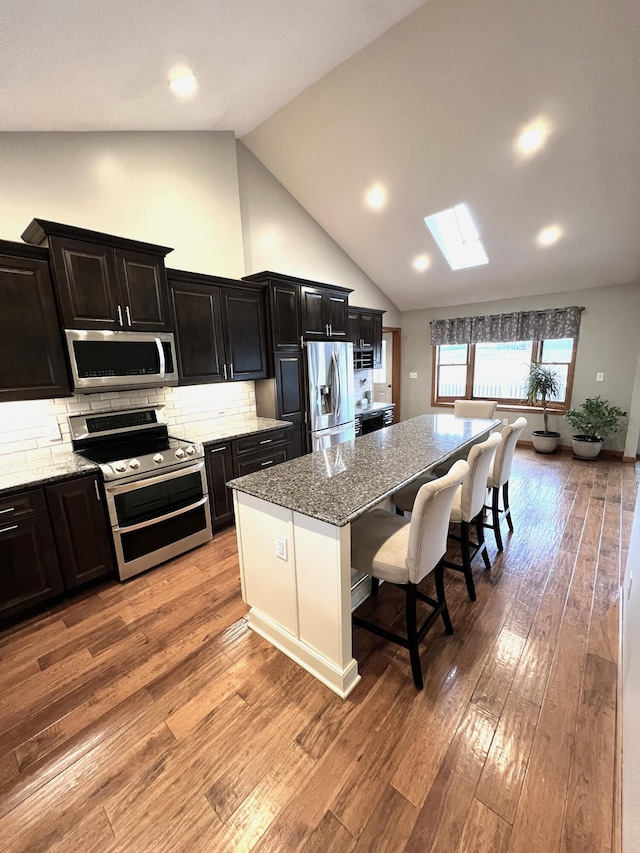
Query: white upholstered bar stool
499, 474
467, 508
403, 552
474, 408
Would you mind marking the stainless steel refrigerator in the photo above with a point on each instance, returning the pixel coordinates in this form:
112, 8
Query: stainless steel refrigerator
330, 392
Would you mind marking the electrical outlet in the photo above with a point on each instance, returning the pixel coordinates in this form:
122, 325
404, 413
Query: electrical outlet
505, 421
281, 547
53, 431
413, 375
599, 377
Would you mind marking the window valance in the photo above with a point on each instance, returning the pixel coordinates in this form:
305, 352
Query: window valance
498, 328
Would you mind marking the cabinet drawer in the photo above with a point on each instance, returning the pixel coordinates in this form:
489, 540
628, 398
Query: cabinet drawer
249, 464
21, 505
260, 441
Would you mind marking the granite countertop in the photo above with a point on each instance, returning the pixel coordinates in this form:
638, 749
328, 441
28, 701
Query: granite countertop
230, 429
339, 484
17, 476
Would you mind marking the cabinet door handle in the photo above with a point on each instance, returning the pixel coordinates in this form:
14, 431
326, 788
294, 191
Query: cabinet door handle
267, 441
128, 313
270, 462
217, 449
120, 316
95, 484
11, 509
231, 369
330, 329
326, 329
224, 371
7, 529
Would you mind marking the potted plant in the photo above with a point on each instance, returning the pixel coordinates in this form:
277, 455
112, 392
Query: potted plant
543, 383
593, 421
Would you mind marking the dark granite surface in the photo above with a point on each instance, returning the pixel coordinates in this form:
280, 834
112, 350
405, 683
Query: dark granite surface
339, 484
211, 434
18, 476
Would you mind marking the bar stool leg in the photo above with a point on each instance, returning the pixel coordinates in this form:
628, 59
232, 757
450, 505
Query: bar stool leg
481, 543
505, 501
412, 635
439, 578
466, 561
495, 514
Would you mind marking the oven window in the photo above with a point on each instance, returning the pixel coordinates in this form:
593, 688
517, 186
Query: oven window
146, 540
147, 502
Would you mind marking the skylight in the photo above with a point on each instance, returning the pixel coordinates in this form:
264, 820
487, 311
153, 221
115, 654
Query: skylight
457, 236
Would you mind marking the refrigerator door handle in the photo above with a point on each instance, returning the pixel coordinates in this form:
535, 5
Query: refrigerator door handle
336, 380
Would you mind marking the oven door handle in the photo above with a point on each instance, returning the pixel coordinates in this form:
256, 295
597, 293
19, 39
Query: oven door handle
130, 528
161, 357
120, 488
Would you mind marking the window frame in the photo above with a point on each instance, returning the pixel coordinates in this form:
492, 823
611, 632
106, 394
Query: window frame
537, 350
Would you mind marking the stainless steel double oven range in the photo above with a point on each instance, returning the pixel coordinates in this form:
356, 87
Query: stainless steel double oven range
156, 485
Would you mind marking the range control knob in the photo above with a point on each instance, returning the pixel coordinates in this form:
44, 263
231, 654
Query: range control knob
134, 463
190, 450
158, 458
120, 466
179, 453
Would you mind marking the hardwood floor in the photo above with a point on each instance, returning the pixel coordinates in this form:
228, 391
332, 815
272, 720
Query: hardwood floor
148, 717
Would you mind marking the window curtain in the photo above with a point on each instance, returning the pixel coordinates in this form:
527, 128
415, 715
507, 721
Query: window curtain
499, 328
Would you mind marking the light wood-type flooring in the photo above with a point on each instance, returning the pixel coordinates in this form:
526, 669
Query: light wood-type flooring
148, 717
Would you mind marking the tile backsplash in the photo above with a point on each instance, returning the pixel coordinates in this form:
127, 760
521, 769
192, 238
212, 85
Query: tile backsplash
363, 386
40, 429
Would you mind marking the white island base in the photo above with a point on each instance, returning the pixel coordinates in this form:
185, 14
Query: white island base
302, 603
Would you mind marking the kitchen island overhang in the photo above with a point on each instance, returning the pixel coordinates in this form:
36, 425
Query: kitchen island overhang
294, 537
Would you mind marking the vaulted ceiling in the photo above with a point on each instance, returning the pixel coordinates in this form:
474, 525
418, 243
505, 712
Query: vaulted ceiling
425, 101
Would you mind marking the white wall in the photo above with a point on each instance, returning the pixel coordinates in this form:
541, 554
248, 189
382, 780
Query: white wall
174, 189
609, 342
279, 235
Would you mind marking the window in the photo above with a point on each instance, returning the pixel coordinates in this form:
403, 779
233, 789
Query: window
498, 371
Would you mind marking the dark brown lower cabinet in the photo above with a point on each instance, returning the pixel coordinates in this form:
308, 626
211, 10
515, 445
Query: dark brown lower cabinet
79, 521
219, 472
236, 458
29, 570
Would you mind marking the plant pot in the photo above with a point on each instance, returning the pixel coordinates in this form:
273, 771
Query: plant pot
586, 448
545, 442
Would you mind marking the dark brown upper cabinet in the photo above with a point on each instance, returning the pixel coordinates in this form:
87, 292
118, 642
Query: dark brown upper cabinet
365, 332
220, 328
303, 309
105, 282
32, 360
324, 313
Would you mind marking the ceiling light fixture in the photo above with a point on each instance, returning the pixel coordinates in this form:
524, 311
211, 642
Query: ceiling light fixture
183, 85
422, 263
457, 237
376, 197
533, 137
549, 235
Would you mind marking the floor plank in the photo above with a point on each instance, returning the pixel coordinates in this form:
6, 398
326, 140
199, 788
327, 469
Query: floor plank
147, 716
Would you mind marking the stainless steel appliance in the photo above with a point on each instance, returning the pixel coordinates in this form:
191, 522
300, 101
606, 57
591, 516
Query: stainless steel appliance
113, 361
330, 392
156, 485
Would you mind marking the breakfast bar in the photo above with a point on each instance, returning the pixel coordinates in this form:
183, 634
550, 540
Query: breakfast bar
294, 538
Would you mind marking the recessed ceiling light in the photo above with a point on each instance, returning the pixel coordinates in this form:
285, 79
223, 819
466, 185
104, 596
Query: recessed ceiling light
376, 197
422, 263
183, 85
533, 137
549, 235
457, 237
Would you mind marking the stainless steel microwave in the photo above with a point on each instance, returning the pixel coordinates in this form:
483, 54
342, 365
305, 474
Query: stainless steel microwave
115, 361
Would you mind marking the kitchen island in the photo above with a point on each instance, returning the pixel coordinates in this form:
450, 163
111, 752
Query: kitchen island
294, 542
